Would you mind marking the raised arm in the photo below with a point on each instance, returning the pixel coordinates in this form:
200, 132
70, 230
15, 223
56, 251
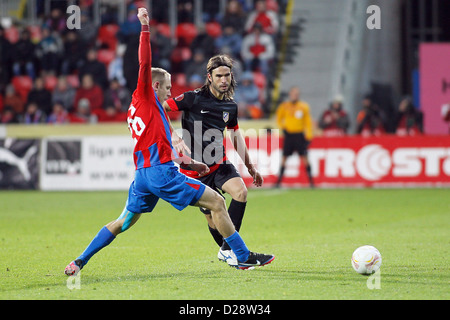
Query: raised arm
144, 85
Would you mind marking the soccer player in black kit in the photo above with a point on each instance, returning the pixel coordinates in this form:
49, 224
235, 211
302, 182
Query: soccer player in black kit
207, 111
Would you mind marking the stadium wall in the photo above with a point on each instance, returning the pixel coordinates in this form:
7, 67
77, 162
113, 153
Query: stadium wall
99, 158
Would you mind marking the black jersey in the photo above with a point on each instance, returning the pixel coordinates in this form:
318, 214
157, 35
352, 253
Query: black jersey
204, 120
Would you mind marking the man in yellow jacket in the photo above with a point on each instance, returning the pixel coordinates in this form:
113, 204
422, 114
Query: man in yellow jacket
294, 118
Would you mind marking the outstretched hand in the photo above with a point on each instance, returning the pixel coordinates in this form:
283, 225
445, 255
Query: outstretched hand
143, 16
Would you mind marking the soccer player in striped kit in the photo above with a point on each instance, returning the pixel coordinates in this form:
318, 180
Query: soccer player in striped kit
156, 174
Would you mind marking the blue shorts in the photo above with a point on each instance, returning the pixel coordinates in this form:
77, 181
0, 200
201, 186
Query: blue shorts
166, 182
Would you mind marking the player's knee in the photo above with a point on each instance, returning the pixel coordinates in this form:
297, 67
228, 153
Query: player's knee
219, 204
241, 194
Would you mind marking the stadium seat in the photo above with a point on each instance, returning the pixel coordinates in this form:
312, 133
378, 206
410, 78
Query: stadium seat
164, 29
186, 32
50, 82
181, 54
106, 56
73, 80
22, 85
214, 29
260, 80
107, 35
12, 34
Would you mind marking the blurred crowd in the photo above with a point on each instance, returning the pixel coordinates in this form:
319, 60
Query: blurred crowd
50, 73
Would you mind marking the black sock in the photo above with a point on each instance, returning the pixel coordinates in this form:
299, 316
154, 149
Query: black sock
280, 177
216, 235
236, 211
308, 172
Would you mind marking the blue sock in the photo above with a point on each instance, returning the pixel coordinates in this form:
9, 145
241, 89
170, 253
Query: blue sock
101, 240
238, 246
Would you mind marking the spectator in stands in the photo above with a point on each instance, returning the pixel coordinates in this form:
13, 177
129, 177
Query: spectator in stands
370, 120
56, 21
445, 113
74, 53
117, 96
203, 41
230, 39
161, 49
258, 50
23, 56
131, 26
83, 113
197, 65
90, 30
5, 59
247, 97
115, 68
64, 93
90, 91
409, 120
268, 19
13, 100
8, 116
334, 121
95, 68
185, 10
41, 96
49, 52
59, 114
211, 10
234, 16
33, 115
195, 81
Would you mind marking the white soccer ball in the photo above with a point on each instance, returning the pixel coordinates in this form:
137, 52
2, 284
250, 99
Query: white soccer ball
366, 260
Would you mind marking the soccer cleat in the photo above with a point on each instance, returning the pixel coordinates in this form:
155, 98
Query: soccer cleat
227, 256
255, 260
73, 268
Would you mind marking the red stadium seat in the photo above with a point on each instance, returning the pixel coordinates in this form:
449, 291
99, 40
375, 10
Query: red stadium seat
73, 80
50, 82
106, 56
12, 34
22, 85
164, 29
186, 32
107, 35
214, 29
260, 80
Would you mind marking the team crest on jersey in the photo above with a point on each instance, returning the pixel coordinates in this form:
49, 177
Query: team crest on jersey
226, 116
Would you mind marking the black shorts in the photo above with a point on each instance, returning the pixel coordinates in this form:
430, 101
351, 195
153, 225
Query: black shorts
295, 142
217, 179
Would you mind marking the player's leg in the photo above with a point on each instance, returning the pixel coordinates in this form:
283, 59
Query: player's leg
103, 238
137, 202
282, 169
245, 258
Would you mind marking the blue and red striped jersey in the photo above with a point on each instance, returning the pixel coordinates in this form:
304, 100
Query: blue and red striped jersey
147, 120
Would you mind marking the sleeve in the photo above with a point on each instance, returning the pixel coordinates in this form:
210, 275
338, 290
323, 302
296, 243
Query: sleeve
183, 102
144, 84
233, 123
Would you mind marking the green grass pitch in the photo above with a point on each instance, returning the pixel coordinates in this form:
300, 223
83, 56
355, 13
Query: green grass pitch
170, 255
